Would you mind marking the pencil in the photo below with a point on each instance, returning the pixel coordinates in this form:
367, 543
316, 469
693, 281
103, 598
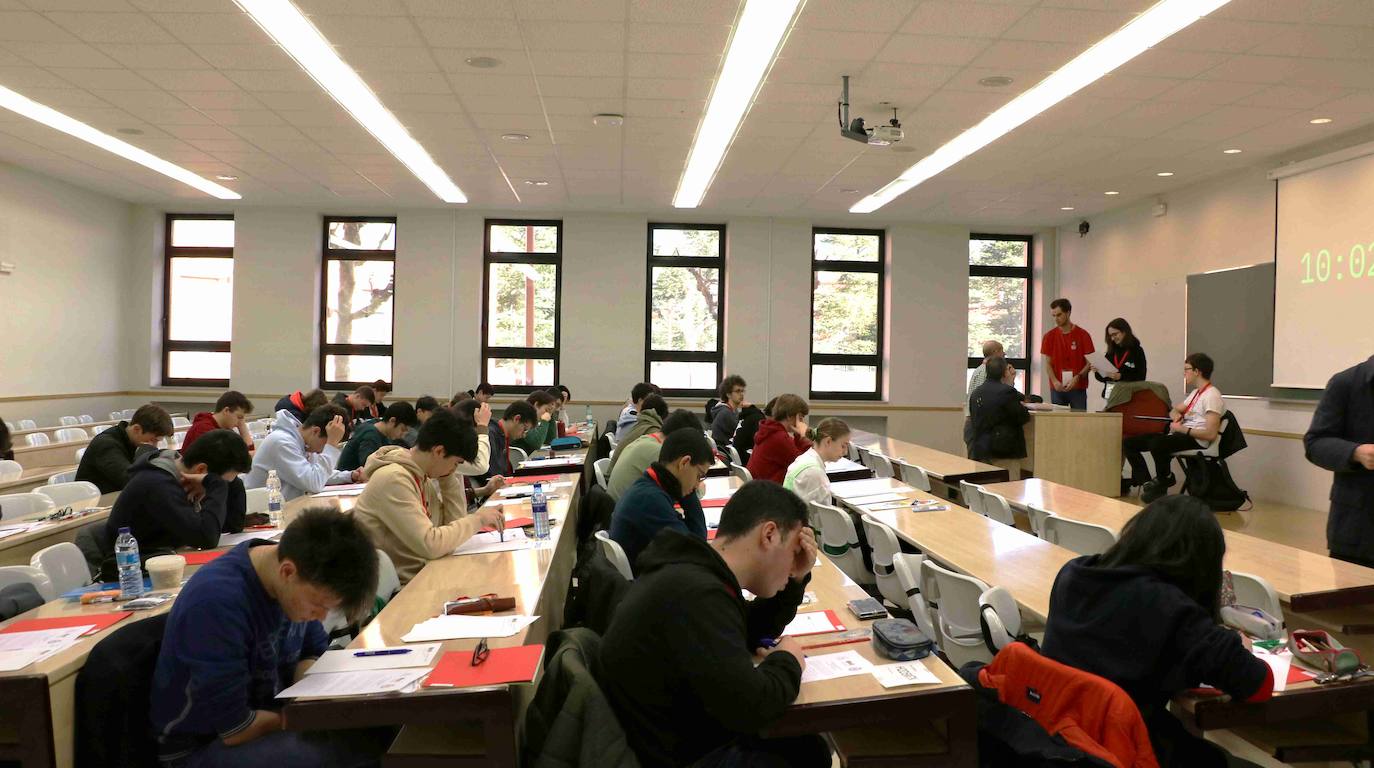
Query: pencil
834, 643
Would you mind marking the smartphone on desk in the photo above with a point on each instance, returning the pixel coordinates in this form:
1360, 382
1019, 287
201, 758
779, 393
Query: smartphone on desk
867, 608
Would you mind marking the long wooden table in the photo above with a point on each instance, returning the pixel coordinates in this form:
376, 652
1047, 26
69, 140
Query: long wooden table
18, 549
945, 469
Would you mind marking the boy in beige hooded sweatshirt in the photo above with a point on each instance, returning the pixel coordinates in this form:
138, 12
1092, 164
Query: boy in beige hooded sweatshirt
414, 504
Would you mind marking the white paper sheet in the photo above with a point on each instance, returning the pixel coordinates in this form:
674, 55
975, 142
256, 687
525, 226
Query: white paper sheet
235, 539
490, 541
832, 665
13, 661
348, 660
811, 623
1100, 362
844, 465
355, 489
25, 648
555, 461
886, 506
354, 683
507, 502
512, 491
876, 498
466, 627
1279, 664
718, 488
712, 515
853, 488
906, 673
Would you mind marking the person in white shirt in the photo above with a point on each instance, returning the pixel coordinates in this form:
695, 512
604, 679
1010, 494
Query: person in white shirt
991, 348
303, 454
1196, 423
806, 476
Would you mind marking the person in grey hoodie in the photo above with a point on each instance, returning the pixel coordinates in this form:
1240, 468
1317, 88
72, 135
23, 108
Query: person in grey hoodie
303, 454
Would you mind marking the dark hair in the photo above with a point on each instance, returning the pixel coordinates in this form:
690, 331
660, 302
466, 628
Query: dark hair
539, 398
686, 442
403, 413
729, 383
567, 393
367, 393
1128, 338
451, 431
640, 391
153, 420
788, 407
768, 408
333, 551
382, 386
484, 389
1202, 363
6, 447
681, 419
1178, 538
1063, 304
313, 399
996, 367
234, 399
833, 428
466, 408
757, 502
459, 397
521, 409
320, 418
655, 403
220, 450
426, 403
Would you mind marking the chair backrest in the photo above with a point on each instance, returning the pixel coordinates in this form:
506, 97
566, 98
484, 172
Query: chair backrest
388, 581
10, 470
742, 472
28, 424
27, 574
68, 421
517, 457
853, 452
79, 453
884, 544
1037, 517
996, 507
175, 440
864, 454
84, 419
256, 500
71, 435
62, 477
912, 475
37, 438
1000, 617
957, 596
116, 415
612, 439
64, 565
973, 496
840, 541
601, 467
908, 569
76, 494
1255, 592
180, 421
1083, 538
97, 429
880, 464
734, 456
14, 505
611, 549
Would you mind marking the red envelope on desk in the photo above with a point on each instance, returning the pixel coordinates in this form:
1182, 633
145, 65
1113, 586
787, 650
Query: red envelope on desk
532, 479
504, 665
713, 503
710, 534
99, 620
201, 558
514, 522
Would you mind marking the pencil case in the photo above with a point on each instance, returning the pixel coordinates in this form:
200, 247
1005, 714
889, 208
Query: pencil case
1252, 621
900, 640
479, 605
1322, 651
559, 443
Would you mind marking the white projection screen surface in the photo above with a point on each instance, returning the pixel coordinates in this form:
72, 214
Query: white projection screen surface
1324, 273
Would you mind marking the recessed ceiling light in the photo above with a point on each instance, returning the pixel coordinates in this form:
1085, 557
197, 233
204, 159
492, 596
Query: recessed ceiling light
996, 81
482, 62
759, 32
1066, 207
226, 177
130, 131
1319, 120
849, 190
285, 24
515, 137
1112, 192
72, 127
608, 120
1231, 151
1165, 174
1163, 19
536, 183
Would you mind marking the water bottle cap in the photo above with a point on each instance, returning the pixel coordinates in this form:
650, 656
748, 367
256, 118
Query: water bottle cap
124, 529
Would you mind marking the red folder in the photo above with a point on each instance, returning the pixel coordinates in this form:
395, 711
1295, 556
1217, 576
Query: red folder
515, 522
835, 625
201, 558
713, 503
504, 665
532, 479
1297, 675
100, 620
710, 534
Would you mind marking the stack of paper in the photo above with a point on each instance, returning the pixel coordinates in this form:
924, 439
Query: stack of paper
491, 541
514, 491
353, 489
355, 683
844, 465
372, 659
20, 649
471, 627
906, 673
813, 623
235, 539
851, 489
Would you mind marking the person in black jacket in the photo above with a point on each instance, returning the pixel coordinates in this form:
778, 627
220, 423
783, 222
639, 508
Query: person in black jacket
301, 404
1341, 439
1146, 615
749, 419
109, 454
182, 500
678, 660
6, 445
1125, 353
998, 415
665, 495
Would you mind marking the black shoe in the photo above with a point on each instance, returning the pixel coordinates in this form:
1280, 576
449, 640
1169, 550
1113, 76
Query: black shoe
1154, 490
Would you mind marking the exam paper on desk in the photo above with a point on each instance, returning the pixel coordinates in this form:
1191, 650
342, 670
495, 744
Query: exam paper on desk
20, 649
348, 660
832, 665
355, 683
462, 627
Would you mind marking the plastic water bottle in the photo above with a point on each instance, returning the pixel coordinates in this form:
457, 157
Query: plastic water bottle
541, 513
591, 422
130, 567
274, 498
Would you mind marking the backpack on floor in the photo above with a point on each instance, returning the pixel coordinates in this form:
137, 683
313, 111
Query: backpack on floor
1210, 481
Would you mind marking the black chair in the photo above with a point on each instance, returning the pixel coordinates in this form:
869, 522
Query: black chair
18, 598
710, 406
113, 695
595, 514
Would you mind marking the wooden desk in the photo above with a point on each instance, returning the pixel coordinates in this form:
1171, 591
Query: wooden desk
1081, 449
55, 454
946, 469
18, 549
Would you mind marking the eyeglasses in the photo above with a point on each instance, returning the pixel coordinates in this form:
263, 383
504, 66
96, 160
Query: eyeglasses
1187, 368
480, 653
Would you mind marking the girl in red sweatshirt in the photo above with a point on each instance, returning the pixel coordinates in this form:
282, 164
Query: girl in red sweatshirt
781, 439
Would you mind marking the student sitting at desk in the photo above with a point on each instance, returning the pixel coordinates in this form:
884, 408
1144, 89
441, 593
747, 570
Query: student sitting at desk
300, 404
303, 453
425, 405
631, 460
542, 431
998, 414
630, 413
725, 414
781, 439
678, 660
397, 419
480, 415
414, 505
653, 409
518, 418
665, 495
180, 499
110, 454
245, 627
806, 477
1196, 423
1146, 615
231, 412
358, 404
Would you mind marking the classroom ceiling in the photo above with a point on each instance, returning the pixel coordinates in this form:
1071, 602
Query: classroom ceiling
210, 91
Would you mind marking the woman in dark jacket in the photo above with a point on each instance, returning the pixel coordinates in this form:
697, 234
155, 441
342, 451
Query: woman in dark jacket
1124, 351
6, 450
1145, 615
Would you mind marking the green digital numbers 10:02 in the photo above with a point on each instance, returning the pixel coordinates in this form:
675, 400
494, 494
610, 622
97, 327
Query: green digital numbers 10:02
1319, 269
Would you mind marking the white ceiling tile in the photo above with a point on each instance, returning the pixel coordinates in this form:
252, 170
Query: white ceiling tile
1286, 11
680, 90
830, 43
706, 39
1151, 119
1357, 12
1026, 55
64, 99
139, 102
311, 118
51, 54
571, 10
1253, 69
928, 49
573, 36
689, 110
1331, 42
31, 27
771, 92
201, 132
584, 87
464, 9
856, 15
684, 11
316, 101
1130, 87
469, 85
1221, 35
188, 80
1229, 121
279, 80
105, 79
108, 6
207, 100
369, 31
1329, 72
799, 69
20, 78
216, 28
1179, 64
173, 56
111, 27
511, 123
427, 103
510, 104
470, 33
407, 82
314, 8
246, 56
579, 63
883, 77
1359, 104
389, 59
1067, 25
960, 18
1291, 96
240, 117
1210, 91
454, 61
166, 117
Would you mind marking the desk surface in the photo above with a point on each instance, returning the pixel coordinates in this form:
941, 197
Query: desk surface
1306, 580
946, 467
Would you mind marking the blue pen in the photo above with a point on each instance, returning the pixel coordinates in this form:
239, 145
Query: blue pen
382, 652
768, 642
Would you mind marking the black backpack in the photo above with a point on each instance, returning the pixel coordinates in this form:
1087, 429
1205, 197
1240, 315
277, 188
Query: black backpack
1208, 478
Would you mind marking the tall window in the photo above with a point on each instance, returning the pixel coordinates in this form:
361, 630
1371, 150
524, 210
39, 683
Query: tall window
847, 274
357, 302
685, 344
520, 328
999, 299
198, 300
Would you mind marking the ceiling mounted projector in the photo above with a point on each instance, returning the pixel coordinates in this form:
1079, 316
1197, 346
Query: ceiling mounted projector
855, 130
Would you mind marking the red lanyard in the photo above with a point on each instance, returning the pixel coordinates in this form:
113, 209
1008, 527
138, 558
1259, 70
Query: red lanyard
420, 488
654, 476
1193, 400
659, 437
1117, 361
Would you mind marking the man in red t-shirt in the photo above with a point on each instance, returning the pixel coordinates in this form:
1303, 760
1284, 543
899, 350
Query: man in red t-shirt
1066, 347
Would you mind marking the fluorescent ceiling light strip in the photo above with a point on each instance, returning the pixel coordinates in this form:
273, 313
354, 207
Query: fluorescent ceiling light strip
50, 117
1146, 30
293, 32
762, 26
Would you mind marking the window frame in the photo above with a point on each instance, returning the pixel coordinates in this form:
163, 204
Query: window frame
716, 262
1028, 274
527, 353
879, 268
329, 254
170, 345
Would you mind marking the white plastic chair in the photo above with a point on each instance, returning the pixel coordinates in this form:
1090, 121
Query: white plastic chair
864, 459
176, 440
884, 545
996, 507
37, 438
180, 421
880, 464
853, 452
734, 456
64, 566
67, 421
71, 435
27, 424
10, 470
912, 475
84, 419
77, 494
1211, 451
908, 569
742, 472
840, 541
1000, 617
611, 549
116, 415
62, 477
388, 581
610, 439
128, 413
14, 505
1255, 592
973, 496
11, 426
517, 457
255, 500
79, 453
27, 574
601, 467
97, 429
1083, 538
1037, 516
961, 634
